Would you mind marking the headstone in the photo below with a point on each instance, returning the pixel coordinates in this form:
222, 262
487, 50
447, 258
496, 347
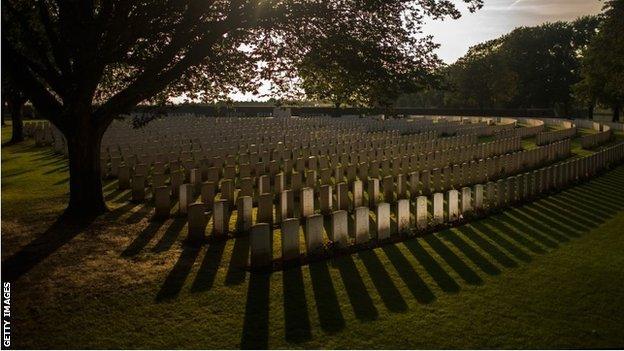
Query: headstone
340, 229
373, 191
186, 197
314, 232
326, 196
478, 197
138, 188
286, 205
162, 201
244, 208
124, 177
221, 216
466, 200
290, 238
421, 212
261, 245
265, 209
383, 220
403, 215
307, 202
361, 225
438, 208
388, 188
358, 197
197, 221
342, 196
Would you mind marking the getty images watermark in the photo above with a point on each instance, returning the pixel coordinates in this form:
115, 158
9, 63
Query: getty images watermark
6, 314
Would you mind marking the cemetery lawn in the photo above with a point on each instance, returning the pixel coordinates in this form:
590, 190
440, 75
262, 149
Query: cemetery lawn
545, 275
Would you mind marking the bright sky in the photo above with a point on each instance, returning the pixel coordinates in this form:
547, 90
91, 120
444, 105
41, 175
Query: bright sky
497, 17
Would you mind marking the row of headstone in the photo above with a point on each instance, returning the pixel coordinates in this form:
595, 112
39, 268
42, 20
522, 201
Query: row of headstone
550, 137
325, 190
591, 141
440, 208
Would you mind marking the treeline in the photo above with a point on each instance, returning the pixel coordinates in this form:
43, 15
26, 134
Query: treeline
565, 66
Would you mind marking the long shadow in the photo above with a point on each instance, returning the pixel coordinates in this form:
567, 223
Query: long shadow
555, 235
58, 234
583, 208
143, 239
113, 194
518, 237
408, 274
590, 219
240, 254
176, 278
388, 292
555, 223
143, 211
61, 168
456, 263
598, 190
296, 318
209, 267
361, 302
327, 305
435, 270
473, 255
120, 211
607, 207
170, 235
256, 325
501, 241
568, 218
515, 223
487, 246
65, 180
583, 195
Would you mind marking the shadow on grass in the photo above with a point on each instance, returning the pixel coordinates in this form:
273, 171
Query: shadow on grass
209, 267
60, 233
256, 323
327, 305
177, 276
486, 246
296, 318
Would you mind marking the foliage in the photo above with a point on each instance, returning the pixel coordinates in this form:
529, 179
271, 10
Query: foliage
603, 60
531, 67
82, 63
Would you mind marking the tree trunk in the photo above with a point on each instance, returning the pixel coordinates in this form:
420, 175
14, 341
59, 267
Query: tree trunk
616, 113
337, 109
591, 111
17, 123
86, 198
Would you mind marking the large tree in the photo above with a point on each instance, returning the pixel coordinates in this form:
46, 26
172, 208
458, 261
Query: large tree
366, 71
83, 62
603, 61
14, 101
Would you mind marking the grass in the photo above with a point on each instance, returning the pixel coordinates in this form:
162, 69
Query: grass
545, 275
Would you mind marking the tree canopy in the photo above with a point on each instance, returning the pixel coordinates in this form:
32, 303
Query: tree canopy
531, 67
602, 68
81, 63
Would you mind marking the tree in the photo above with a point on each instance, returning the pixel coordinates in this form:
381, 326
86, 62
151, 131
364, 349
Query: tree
14, 100
81, 63
603, 61
482, 78
366, 71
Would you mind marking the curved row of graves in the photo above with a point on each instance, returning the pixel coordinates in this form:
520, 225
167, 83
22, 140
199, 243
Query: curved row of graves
305, 188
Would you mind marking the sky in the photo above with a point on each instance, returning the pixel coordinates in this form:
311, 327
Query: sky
497, 17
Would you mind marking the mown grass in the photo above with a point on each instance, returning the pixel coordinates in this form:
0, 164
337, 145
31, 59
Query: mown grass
544, 275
